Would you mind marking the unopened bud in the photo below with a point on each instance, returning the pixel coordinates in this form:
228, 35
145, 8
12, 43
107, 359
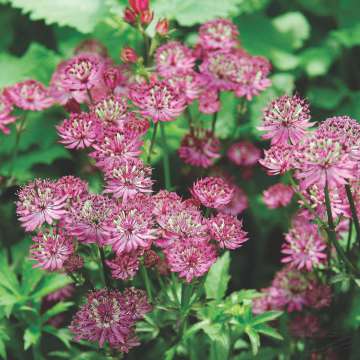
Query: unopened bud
162, 27
128, 55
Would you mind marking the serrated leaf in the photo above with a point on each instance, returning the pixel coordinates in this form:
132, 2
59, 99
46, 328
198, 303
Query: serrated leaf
218, 278
254, 339
8, 279
80, 14
30, 277
268, 331
265, 317
31, 336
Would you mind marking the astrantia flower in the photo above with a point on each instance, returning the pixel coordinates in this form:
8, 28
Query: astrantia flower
227, 230
200, 148
218, 34
124, 267
127, 178
158, 100
304, 248
129, 230
278, 159
110, 110
6, 118
209, 102
278, 195
78, 132
318, 295
238, 203
190, 258
305, 326
87, 217
105, 317
174, 58
165, 202
136, 303
39, 202
322, 160
73, 263
189, 85
213, 192
29, 95
91, 46
134, 126
244, 153
72, 187
286, 119
63, 293
82, 72
51, 249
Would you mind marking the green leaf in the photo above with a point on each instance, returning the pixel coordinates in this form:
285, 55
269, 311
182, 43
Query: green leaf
8, 278
30, 277
58, 308
265, 317
348, 37
80, 14
268, 331
49, 284
63, 335
326, 97
31, 336
218, 277
254, 339
220, 342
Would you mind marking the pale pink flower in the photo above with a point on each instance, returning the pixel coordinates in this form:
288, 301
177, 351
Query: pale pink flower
278, 195
79, 131
213, 192
199, 148
227, 231
238, 203
39, 202
110, 110
286, 119
72, 187
124, 267
209, 102
165, 202
278, 159
135, 127
29, 95
174, 58
244, 153
190, 85
51, 249
6, 118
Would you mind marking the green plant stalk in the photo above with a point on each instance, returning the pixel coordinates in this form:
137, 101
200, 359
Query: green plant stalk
152, 142
332, 234
213, 123
354, 215
147, 282
104, 276
166, 160
186, 293
349, 237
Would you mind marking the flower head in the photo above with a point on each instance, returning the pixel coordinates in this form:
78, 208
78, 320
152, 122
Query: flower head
124, 267
39, 202
91, 46
51, 249
64, 293
286, 119
244, 153
238, 203
134, 127
209, 102
110, 110
29, 95
278, 159
213, 192
6, 118
278, 195
72, 187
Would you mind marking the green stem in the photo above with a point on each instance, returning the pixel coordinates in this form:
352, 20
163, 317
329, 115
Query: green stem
213, 123
331, 230
166, 161
104, 275
353, 212
146, 47
189, 119
19, 132
349, 237
153, 137
147, 282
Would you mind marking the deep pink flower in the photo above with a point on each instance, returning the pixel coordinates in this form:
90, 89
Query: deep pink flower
162, 27
124, 267
286, 119
304, 248
29, 95
158, 100
238, 203
227, 231
278, 195
244, 153
87, 217
218, 34
305, 326
128, 55
51, 249
73, 263
127, 178
139, 6
165, 202
64, 293
107, 316
322, 160
79, 131
134, 127
209, 102
318, 295
110, 110
190, 85
200, 148
278, 159
6, 118
190, 258
213, 192
72, 187
39, 202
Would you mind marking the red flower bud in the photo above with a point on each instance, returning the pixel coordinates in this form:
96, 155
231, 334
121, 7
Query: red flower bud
146, 17
129, 16
128, 55
162, 27
139, 6
111, 77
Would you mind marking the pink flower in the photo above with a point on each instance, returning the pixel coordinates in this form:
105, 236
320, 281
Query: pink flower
319, 296
218, 34
78, 132
286, 119
82, 72
39, 202
174, 58
165, 202
64, 293
158, 100
29, 95
278, 195
278, 159
190, 85
124, 267
227, 231
244, 153
305, 326
213, 192
127, 178
209, 102
51, 249
190, 258
130, 229
128, 55
199, 148
6, 118
322, 160
73, 263
110, 110
72, 187
238, 203
304, 248
92, 46
108, 316
87, 217
135, 127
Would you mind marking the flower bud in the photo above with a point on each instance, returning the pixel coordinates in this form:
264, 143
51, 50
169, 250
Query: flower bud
129, 16
139, 6
162, 27
128, 55
111, 77
146, 17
